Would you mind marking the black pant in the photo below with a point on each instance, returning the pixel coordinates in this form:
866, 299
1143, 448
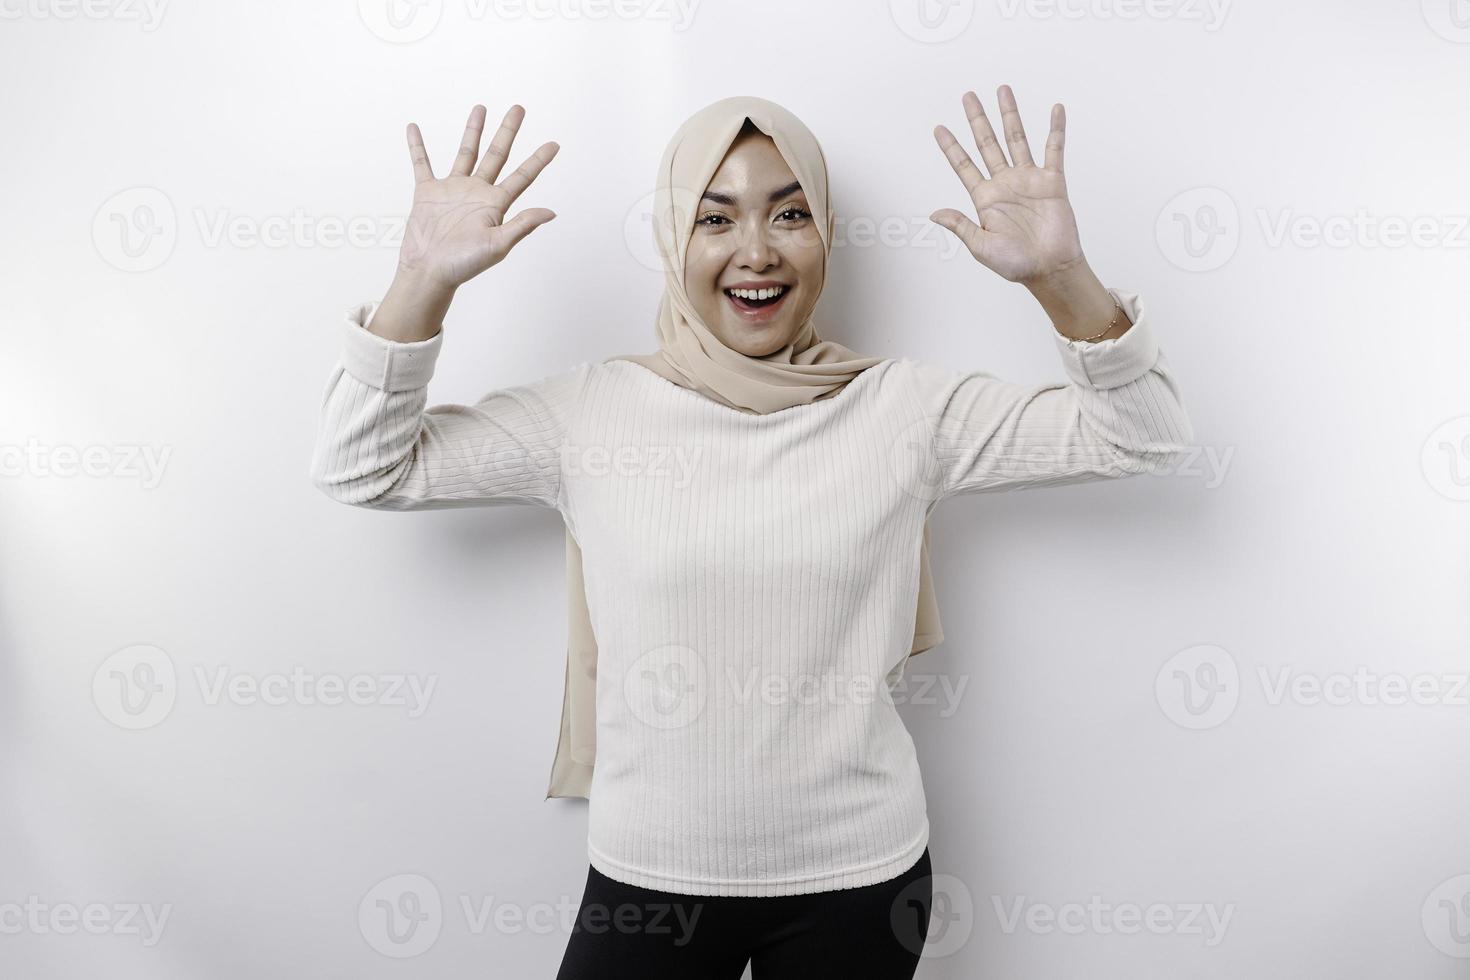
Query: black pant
875, 932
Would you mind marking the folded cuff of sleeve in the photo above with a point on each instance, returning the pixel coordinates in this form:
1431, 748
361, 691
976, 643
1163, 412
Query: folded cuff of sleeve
386, 364
1109, 363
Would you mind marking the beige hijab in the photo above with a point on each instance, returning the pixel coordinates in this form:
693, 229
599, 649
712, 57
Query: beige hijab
805, 370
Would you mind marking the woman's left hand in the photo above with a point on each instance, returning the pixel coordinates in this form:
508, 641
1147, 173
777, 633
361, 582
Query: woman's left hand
1027, 231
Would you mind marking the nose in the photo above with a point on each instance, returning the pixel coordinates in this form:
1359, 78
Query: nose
755, 250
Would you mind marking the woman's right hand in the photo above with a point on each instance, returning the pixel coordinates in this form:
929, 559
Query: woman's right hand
457, 228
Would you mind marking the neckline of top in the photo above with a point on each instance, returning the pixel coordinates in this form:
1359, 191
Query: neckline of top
721, 406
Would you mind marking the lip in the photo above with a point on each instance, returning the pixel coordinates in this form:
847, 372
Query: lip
755, 284
765, 313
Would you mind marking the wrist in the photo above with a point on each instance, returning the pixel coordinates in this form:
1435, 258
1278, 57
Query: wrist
414, 284
413, 308
1071, 279
1078, 304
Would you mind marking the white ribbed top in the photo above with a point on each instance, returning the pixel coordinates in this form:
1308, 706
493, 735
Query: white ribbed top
751, 579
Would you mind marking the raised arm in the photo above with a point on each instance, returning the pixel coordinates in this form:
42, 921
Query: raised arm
1120, 411
377, 445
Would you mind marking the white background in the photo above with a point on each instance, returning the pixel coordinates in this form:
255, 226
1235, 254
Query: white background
1320, 532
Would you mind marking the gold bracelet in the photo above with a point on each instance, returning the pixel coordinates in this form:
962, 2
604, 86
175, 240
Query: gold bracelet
1117, 309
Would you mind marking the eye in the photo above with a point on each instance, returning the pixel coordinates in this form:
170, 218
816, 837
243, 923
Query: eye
704, 219
801, 213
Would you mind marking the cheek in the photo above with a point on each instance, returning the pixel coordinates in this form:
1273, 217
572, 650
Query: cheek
802, 250
703, 266
809, 266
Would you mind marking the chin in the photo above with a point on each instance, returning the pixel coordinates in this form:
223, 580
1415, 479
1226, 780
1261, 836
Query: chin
756, 341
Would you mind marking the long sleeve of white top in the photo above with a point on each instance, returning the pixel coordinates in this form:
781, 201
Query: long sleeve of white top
1118, 413
379, 446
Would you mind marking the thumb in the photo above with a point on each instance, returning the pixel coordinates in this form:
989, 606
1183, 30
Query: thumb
963, 228
523, 224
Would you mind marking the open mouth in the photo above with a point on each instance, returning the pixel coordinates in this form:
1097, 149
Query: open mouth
757, 303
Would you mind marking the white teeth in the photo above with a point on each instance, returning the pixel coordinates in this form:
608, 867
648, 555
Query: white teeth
771, 293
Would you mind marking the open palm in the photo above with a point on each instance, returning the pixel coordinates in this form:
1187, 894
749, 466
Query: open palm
1026, 230
457, 228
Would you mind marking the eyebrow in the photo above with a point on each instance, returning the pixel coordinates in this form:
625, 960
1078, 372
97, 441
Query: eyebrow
729, 201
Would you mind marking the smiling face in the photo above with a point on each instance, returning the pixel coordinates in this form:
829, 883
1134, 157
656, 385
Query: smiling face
753, 269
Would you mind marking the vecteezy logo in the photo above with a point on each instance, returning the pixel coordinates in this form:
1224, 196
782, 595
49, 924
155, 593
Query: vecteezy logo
667, 687
401, 916
400, 21
647, 241
1446, 917
135, 687
1198, 687
912, 460
932, 21
135, 230
951, 918
1199, 230
1445, 458
638, 233
1450, 19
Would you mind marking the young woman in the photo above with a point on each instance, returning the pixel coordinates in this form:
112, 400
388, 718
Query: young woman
748, 507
